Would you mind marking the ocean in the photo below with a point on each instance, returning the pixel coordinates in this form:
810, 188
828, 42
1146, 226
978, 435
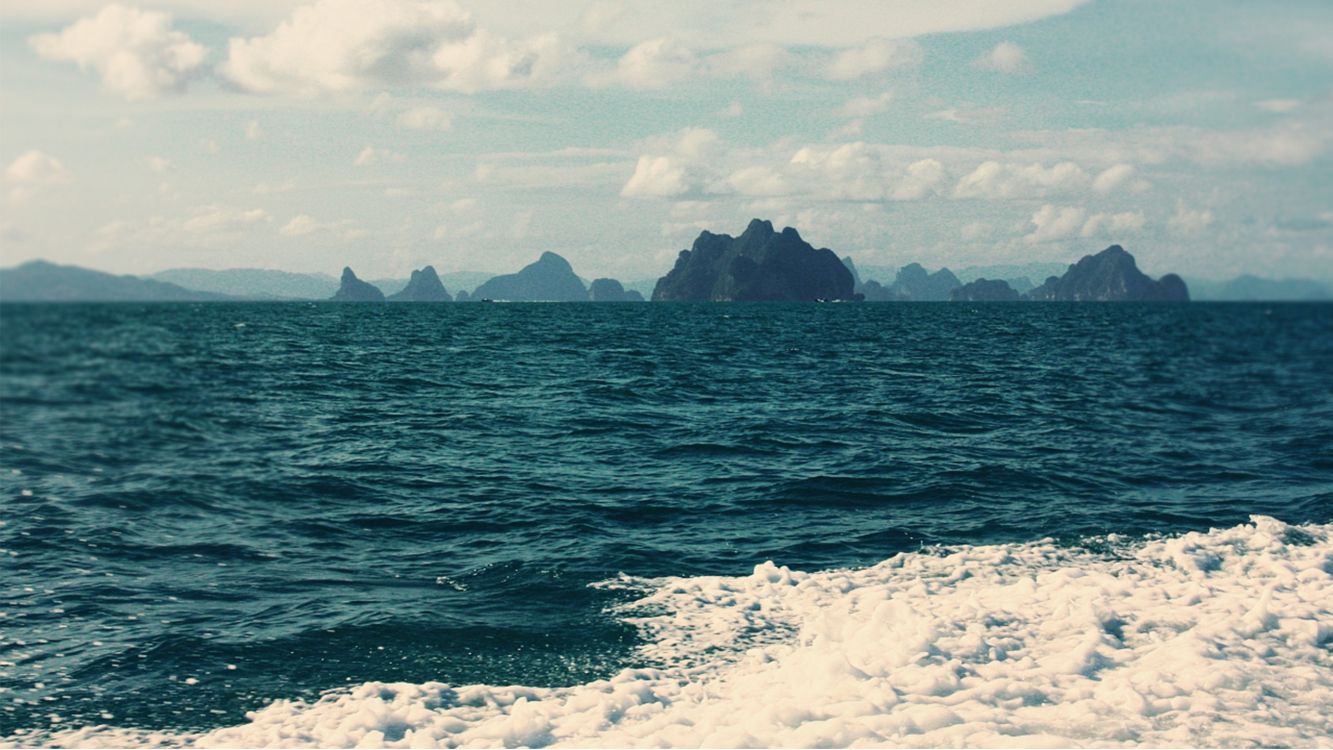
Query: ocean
666, 524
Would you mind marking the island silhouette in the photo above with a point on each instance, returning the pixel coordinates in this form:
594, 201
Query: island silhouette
759, 264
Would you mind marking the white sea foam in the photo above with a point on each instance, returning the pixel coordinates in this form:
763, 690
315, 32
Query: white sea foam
1215, 639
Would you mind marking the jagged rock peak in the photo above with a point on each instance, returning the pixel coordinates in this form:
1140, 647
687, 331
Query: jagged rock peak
424, 286
352, 289
554, 261
611, 290
758, 228
548, 279
759, 265
1110, 276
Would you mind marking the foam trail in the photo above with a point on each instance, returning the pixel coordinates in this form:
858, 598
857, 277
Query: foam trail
1222, 638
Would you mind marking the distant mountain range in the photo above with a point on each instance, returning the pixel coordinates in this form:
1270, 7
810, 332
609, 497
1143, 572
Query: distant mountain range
765, 265
1243, 288
253, 283
39, 281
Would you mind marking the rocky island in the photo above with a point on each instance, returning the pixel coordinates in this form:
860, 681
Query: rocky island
610, 290
985, 290
424, 286
1110, 276
759, 265
549, 279
916, 285
352, 289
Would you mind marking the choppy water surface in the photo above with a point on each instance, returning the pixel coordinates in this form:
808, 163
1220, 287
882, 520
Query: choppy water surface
210, 507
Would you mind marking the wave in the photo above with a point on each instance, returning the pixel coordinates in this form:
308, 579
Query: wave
1222, 638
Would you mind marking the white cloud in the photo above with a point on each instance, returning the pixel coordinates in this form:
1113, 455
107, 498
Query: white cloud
1114, 225
758, 61
223, 219
460, 230
425, 118
922, 178
1112, 178
1188, 222
36, 169
158, 164
370, 155
874, 56
695, 161
336, 45
485, 61
271, 188
1056, 223
1005, 57
758, 180
695, 143
303, 225
865, 106
732, 111
253, 131
805, 23
673, 164
344, 45
547, 176
994, 180
1294, 142
852, 171
300, 224
975, 230
625, 22
965, 115
656, 176
1280, 106
137, 53
861, 172
652, 64
847, 130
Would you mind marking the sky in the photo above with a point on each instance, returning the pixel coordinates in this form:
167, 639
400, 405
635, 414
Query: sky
305, 135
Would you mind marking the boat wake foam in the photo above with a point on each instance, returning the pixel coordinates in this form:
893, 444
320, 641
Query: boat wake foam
1222, 638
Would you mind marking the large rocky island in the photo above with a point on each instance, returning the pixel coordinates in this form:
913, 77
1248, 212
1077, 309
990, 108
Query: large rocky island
759, 265
1110, 276
549, 279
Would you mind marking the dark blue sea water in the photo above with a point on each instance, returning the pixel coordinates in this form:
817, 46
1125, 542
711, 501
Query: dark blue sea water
209, 507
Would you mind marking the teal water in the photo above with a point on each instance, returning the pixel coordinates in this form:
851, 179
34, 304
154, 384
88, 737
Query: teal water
209, 507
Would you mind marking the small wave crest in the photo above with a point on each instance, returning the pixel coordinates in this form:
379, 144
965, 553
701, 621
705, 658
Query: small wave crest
1222, 638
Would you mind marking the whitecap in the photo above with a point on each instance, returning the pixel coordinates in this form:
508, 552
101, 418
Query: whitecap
1205, 639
